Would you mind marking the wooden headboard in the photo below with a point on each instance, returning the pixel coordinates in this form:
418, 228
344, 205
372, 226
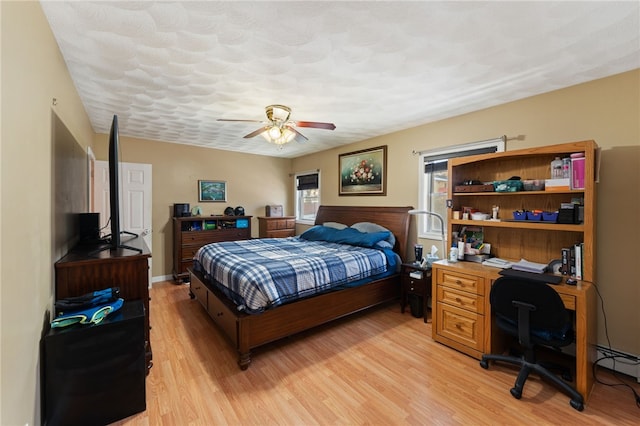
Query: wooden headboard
395, 219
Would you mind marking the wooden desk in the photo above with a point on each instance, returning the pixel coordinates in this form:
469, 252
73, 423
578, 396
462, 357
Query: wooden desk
462, 315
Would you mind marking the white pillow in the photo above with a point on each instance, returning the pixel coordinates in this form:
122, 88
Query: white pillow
374, 227
335, 225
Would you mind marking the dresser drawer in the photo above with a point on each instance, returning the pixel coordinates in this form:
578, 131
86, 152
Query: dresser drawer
199, 237
188, 251
275, 224
460, 325
184, 265
460, 281
461, 299
280, 233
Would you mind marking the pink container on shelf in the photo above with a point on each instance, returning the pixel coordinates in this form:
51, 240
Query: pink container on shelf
577, 170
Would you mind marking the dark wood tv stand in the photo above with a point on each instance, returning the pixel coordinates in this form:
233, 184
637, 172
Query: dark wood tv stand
86, 268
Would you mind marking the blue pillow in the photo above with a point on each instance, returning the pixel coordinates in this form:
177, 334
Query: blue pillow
344, 236
319, 233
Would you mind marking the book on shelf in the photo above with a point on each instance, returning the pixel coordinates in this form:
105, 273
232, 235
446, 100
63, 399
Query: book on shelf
578, 254
565, 269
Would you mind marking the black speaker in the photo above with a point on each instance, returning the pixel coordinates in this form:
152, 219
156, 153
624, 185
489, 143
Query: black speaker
95, 374
89, 227
181, 210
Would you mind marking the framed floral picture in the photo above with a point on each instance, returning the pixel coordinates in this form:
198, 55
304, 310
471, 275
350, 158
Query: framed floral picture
212, 190
363, 172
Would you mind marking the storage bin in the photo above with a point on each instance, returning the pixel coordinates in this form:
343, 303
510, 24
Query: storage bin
507, 185
534, 216
520, 215
550, 216
533, 184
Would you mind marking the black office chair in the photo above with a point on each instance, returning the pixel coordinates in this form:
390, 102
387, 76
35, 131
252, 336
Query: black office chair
533, 312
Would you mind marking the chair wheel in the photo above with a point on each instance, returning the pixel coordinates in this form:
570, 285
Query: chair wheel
516, 393
577, 405
484, 364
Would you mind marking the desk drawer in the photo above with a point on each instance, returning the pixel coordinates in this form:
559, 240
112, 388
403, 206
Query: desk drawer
460, 281
461, 299
462, 326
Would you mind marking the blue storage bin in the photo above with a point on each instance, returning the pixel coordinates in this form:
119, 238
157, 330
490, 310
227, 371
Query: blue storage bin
242, 223
534, 216
520, 215
550, 216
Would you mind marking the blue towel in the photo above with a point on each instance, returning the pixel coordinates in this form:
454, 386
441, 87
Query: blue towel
93, 315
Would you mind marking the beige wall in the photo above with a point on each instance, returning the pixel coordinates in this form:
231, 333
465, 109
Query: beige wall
605, 110
253, 181
33, 73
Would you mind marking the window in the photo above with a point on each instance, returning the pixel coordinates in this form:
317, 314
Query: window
307, 197
434, 181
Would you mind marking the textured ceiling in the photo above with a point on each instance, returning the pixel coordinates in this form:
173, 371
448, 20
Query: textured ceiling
169, 70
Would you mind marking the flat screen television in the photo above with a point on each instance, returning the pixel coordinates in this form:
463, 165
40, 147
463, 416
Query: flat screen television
115, 239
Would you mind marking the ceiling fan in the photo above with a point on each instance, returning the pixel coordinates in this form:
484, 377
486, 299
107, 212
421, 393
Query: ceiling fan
279, 129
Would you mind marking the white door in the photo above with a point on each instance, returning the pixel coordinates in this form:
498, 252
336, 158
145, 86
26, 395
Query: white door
135, 199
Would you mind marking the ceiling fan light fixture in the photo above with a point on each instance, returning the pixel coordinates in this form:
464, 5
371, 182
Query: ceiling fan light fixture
280, 130
274, 132
278, 113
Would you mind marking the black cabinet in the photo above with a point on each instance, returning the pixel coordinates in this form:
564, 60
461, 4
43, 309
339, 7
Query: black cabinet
95, 374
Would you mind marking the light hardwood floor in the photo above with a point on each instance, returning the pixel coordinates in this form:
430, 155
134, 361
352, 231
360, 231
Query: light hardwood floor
379, 367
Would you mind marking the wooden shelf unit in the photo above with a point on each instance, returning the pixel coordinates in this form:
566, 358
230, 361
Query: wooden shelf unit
191, 233
535, 241
461, 307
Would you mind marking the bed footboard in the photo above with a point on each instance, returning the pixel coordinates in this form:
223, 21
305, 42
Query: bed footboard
246, 332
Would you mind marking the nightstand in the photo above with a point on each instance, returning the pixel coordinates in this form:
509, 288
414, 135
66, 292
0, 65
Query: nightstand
416, 281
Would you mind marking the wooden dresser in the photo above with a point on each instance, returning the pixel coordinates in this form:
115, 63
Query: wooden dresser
191, 233
84, 270
277, 227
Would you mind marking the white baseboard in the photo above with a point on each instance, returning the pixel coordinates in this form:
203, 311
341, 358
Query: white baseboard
161, 278
624, 363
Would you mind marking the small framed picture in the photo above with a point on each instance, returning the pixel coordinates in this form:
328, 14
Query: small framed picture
363, 172
212, 190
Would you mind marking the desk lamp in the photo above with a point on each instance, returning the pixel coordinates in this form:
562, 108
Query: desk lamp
444, 237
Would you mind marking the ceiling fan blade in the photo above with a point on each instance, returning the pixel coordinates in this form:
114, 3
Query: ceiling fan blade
257, 132
316, 125
246, 121
299, 137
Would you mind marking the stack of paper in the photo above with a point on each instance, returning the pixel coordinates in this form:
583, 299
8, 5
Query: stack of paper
497, 263
525, 265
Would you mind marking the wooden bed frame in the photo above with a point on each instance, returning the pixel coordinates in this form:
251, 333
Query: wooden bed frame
248, 331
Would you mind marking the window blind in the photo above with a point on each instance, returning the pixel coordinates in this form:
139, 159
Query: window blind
309, 181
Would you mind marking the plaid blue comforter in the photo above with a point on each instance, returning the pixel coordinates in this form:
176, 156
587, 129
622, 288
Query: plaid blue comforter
267, 272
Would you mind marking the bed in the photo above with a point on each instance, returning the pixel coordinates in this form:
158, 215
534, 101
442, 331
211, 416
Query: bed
247, 329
